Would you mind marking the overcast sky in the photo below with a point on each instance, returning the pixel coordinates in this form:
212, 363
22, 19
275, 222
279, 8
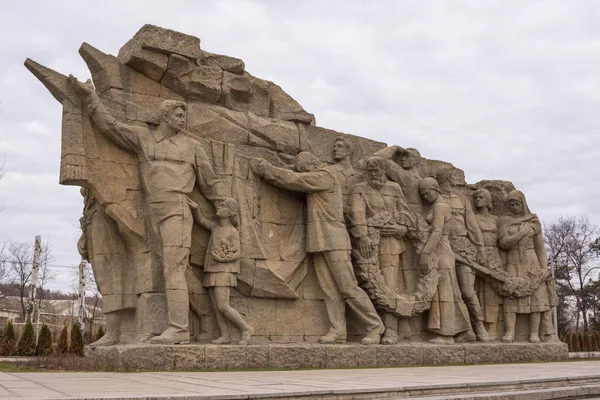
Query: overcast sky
502, 89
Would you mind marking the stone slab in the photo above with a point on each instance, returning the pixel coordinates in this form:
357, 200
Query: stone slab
308, 355
573, 380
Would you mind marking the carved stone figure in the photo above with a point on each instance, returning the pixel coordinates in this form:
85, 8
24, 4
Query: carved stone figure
488, 256
170, 165
520, 234
189, 205
406, 174
403, 168
374, 219
448, 315
328, 242
101, 244
222, 266
466, 241
342, 168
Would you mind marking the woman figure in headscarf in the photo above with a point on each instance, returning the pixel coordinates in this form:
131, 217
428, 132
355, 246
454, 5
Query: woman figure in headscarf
488, 256
520, 234
448, 315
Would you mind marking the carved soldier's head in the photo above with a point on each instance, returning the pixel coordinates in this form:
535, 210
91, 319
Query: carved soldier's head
452, 176
172, 115
306, 162
341, 149
410, 158
376, 172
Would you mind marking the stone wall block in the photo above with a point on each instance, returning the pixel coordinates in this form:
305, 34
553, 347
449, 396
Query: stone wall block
230, 64
164, 41
284, 107
202, 83
298, 356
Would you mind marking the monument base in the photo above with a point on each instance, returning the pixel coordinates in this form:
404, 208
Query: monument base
313, 356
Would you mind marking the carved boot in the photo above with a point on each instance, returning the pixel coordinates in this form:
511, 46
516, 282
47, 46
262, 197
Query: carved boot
441, 339
246, 336
374, 336
534, 327
177, 310
390, 336
111, 337
510, 320
332, 337
466, 336
222, 340
480, 332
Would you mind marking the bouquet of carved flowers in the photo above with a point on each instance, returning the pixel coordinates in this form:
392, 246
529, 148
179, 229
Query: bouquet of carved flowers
225, 250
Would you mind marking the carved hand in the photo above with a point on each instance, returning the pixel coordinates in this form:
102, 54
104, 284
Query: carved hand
83, 89
258, 165
395, 230
481, 259
365, 246
425, 263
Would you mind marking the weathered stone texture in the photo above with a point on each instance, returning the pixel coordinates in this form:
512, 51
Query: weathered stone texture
230, 64
292, 356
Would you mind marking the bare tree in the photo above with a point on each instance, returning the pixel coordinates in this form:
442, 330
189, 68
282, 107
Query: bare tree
573, 248
46, 275
19, 265
3, 267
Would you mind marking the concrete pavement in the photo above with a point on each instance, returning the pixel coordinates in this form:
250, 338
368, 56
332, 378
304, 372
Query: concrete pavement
577, 378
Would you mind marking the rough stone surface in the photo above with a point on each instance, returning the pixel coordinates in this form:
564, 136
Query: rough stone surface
216, 210
291, 356
149, 63
298, 356
192, 81
165, 41
230, 64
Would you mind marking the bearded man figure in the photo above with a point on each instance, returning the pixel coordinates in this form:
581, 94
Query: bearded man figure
375, 207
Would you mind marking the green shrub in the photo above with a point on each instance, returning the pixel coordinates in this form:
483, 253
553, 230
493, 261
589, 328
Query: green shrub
44, 346
9, 341
76, 347
63, 341
588, 342
576, 343
26, 345
567, 339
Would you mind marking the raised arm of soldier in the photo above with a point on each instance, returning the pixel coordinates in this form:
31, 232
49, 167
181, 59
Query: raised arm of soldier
307, 179
125, 136
401, 164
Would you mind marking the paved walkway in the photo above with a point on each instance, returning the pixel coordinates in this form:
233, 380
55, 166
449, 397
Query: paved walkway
261, 384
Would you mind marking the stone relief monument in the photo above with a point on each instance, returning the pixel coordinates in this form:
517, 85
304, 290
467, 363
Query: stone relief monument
217, 212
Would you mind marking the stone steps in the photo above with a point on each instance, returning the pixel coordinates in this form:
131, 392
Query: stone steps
555, 393
536, 389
